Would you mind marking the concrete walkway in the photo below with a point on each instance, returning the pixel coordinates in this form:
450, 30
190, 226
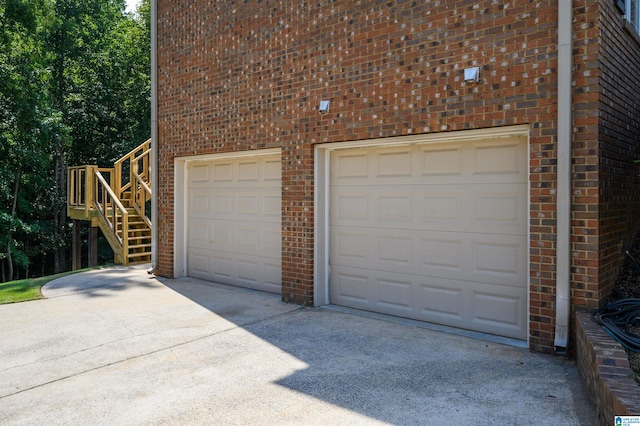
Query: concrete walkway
118, 346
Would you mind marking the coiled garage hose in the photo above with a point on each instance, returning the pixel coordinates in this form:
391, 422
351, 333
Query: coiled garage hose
618, 318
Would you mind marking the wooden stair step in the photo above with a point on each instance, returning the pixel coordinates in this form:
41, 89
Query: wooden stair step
142, 254
139, 231
138, 225
145, 229
137, 246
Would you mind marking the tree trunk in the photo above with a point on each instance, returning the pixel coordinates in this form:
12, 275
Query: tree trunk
13, 215
59, 90
60, 212
9, 261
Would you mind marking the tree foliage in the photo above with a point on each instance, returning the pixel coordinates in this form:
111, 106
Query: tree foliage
74, 89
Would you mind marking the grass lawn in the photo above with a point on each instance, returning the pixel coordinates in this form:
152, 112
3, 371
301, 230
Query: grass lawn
28, 289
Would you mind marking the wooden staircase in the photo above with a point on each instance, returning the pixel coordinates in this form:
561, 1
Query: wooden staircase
117, 201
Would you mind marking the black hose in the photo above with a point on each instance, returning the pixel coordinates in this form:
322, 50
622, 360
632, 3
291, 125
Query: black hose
618, 318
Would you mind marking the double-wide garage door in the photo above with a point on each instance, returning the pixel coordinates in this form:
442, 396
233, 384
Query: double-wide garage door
434, 232
234, 217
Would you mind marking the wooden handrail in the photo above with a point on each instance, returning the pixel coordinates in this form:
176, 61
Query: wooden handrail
131, 158
80, 195
147, 152
140, 197
139, 183
112, 211
99, 195
145, 145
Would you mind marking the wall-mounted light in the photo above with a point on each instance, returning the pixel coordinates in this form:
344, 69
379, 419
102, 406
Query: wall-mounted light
472, 75
324, 106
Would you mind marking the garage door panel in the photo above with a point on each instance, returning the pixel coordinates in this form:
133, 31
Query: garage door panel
440, 304
442, 209
495, 209
499, 209
272, 210
199, 173
222, 266
500, 159
453, 255
248, 271
254, 239
432, 232
248, 171
394, 293
201, 238
500, 312
223, 205
350, 167
393, 163
352, 205
497, 308
350, 287
441, 254
247, 205
247, 202
395, 249
200, 263
456, 303
441, 161
272, 170
235, 222
394, 207
223, 235
199, 203
481, 307
477, 162
500, 259
272, 239
248, 239
348, 247
222, 171
271, 274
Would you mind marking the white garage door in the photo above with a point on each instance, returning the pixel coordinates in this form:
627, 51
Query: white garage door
434, 232
234, 232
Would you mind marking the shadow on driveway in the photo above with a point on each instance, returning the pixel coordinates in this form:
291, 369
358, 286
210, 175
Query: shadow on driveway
118, 346
401, 374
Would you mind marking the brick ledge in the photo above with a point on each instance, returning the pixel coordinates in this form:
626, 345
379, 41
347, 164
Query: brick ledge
605, 371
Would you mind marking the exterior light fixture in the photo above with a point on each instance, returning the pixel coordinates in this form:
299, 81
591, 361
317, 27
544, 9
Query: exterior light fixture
324, 106
472, 75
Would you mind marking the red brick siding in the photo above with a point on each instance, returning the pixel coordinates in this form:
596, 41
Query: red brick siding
619, 144
585, 212
235, 76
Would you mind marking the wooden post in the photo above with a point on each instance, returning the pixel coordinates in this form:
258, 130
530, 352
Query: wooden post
76, 246
93, 246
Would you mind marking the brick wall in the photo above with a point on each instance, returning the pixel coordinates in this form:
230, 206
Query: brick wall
236, 76
605, 372
619, 143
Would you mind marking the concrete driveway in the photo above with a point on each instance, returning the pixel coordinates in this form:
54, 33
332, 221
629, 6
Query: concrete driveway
117, 346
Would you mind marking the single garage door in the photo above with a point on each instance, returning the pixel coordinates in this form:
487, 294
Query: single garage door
433, 232
234, 216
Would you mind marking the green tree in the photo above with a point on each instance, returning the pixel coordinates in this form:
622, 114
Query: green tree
23, 110
93, 64
74, 89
